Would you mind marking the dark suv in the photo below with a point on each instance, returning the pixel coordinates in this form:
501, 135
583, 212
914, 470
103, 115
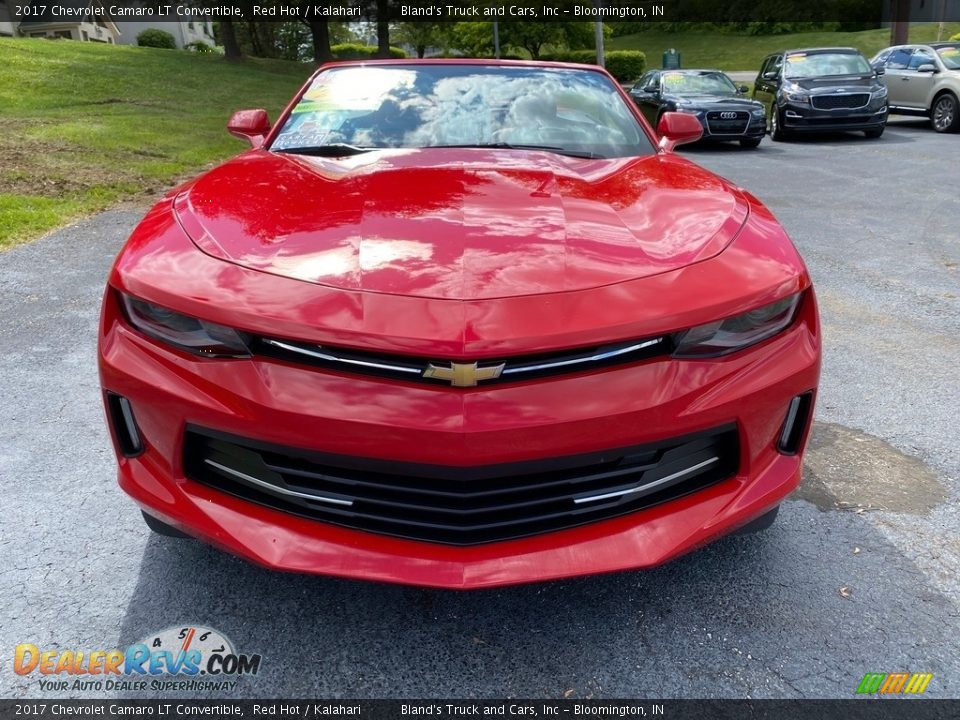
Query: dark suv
821, 90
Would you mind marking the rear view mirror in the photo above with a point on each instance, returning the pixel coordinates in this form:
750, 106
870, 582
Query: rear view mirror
879, 69
927, 68
743, 89
678, 129
770, 75
250, 125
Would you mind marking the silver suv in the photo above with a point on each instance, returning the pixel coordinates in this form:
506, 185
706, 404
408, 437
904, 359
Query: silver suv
923, 80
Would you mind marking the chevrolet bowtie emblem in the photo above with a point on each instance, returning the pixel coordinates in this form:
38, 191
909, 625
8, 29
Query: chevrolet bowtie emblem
463, 374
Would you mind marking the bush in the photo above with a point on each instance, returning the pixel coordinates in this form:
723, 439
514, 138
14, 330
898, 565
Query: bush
198, 46
154, 38
358, 51
624, 65
955, 38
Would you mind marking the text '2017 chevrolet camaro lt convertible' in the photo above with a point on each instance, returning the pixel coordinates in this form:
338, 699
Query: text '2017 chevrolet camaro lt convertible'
459, 324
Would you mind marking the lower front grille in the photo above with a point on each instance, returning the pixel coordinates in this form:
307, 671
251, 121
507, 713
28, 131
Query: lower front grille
835, 102
460, 505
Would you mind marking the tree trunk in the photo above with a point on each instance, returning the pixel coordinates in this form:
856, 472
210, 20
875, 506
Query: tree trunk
383, 29
228, 35
320, 32
900, 25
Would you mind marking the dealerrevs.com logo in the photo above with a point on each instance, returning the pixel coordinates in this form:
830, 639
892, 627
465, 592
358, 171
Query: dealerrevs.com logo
178, 658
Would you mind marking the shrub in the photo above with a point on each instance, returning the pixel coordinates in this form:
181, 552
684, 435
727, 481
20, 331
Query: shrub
955, 38
151, 37
198, 46
624, 65
358, 51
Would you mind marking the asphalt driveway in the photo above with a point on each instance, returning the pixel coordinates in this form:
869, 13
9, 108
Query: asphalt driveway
860, 573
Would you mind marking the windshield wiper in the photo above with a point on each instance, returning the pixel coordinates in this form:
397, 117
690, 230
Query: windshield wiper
331, 150
513, 146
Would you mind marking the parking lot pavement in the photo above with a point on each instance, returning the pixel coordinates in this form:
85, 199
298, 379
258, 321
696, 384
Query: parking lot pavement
860, 573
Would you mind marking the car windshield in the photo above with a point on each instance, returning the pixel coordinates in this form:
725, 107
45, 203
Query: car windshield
950, 55
568, 111
801, 65
701, 83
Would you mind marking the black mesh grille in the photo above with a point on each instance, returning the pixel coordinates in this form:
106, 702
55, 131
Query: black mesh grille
460, 505
721, 123
833, 102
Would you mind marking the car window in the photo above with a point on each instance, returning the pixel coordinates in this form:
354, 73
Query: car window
950, 56
921, 57
694, 83
881, 58
899, 59
430, 105
802, 64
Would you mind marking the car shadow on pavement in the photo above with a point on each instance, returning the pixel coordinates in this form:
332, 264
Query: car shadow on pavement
760, 615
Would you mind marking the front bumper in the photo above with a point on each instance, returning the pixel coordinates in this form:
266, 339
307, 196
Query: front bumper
802, 118
369, 417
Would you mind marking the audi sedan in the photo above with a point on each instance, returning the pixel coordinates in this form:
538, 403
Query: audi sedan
459, 324
722, 107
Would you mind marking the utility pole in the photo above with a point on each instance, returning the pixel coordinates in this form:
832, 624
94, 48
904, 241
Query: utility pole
496, 39
598, 36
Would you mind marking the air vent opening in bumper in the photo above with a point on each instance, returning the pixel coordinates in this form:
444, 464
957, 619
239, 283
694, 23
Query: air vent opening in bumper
460, 505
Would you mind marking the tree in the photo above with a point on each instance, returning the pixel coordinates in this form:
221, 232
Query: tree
383, 28
421, 35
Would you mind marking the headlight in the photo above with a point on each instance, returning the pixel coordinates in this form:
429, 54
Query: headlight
880, 92
795, 94
759, 112
735, 333
186, 333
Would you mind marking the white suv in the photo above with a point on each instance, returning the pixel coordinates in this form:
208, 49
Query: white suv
923, 80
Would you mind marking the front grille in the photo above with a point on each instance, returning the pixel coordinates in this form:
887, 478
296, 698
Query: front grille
460, 505
835, 102
718, 124
434, 371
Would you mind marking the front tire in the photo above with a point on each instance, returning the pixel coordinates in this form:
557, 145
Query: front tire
161, 528
750, 142
874, 133
777, 133
945, 114
761, 523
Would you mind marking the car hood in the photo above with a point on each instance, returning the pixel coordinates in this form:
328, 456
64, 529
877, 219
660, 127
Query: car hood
839, 83
460, 224
715, 102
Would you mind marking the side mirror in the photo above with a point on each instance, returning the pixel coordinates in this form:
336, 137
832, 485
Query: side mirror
770, 75
927, 68
677, 128
743, 89
879, 69
250, 125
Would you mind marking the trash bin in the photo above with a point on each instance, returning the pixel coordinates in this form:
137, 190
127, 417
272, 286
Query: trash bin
671, 59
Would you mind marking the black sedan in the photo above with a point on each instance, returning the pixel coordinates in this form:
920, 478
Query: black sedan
710, 96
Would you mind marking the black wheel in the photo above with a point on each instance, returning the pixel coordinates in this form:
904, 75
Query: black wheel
777, 132
750, 142
761, 523
161, 528
874, 132
945, 115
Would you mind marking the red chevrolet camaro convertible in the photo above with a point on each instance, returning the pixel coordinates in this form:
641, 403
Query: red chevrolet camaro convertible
459, 324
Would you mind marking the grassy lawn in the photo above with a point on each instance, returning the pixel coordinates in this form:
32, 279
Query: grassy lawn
744, 52
89, 125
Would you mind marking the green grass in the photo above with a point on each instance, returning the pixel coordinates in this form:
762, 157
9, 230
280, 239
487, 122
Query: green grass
86, 126
744, 52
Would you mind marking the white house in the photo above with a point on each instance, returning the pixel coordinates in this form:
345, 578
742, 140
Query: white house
84, 20
183, 31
